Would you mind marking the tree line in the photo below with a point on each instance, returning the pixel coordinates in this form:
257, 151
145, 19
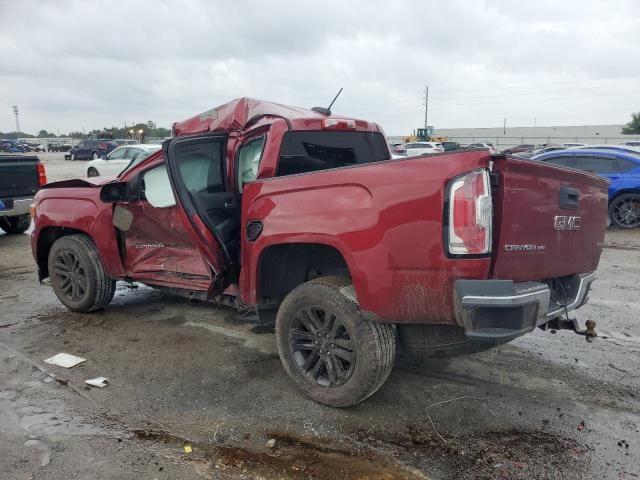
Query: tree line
118, 132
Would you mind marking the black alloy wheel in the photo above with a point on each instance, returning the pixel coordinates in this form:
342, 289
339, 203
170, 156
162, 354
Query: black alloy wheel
322, 347
624, 210
70, 274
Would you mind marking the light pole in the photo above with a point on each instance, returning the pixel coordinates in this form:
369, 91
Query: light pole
16, 112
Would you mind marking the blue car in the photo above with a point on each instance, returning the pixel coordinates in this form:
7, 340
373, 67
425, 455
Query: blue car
621, 168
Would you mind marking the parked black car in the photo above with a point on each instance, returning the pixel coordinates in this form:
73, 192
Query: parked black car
91, 148
448, 146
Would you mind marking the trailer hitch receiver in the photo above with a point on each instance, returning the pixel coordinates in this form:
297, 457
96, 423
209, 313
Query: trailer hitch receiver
572, 324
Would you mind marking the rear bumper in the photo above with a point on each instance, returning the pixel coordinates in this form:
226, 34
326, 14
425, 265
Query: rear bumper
21, 206
501, 310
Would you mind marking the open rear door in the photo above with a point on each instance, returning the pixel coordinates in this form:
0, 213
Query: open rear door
197, 168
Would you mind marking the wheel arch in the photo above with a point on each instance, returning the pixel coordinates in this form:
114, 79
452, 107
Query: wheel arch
281, 267
624, 191
46, 238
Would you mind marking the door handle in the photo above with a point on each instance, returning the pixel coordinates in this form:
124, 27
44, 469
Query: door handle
569, 198
228, 204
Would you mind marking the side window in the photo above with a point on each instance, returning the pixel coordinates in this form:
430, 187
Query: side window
117, 154
249, 157
312, 151
80, 146
596, 164
563, 161
132, 153
200, 165
156, 188
624, 165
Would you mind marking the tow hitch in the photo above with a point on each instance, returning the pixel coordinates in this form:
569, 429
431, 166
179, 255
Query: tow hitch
572, 324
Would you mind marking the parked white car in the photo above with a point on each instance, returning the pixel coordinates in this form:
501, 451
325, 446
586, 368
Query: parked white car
121, 157
422, 148
489, 146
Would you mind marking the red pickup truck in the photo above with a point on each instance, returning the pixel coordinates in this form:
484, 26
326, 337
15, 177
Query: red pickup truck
304, 217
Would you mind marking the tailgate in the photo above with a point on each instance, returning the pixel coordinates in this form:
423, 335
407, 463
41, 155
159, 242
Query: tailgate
549, 221
18, 176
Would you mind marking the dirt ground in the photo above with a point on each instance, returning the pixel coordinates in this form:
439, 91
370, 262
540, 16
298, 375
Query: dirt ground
190, 374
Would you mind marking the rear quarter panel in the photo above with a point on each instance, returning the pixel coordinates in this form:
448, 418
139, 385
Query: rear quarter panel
386, 221
79, 209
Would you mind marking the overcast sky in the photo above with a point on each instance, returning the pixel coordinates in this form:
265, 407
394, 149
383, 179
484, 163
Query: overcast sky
70, 65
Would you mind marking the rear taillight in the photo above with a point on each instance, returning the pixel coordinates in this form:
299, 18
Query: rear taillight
470, 214
42, 176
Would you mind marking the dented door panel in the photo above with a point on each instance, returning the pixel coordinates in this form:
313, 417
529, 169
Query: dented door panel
158, 249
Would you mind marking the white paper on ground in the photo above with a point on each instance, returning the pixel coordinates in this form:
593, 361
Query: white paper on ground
65, 360
99, 382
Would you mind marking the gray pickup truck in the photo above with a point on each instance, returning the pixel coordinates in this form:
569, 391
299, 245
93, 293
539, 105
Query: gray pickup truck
21, 176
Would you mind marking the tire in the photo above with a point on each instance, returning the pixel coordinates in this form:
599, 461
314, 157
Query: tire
15, 225
77, 274
92, 172
316, 317
72, 157
624, 210
95, 155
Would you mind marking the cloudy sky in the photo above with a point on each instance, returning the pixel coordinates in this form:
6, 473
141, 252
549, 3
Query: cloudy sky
70, 65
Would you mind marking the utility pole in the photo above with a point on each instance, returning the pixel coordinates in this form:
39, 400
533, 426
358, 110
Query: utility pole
426, 106
504, 126
16, 112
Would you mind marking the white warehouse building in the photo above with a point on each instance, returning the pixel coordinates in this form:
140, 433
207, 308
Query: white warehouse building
511, 136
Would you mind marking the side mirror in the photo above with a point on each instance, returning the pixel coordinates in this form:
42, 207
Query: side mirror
114, 192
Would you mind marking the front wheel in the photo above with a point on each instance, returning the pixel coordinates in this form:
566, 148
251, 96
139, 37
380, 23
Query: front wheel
92, 172
624, 210
332, 351
78, 277
73, 157
15, 225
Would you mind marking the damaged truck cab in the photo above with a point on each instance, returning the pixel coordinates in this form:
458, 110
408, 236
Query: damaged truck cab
305, 217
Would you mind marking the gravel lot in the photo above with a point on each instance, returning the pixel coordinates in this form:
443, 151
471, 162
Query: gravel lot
187, 373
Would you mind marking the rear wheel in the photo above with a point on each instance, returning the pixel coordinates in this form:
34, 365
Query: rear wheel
78, 277
92, 172
332, 351
624, 210
15, 225
95, 156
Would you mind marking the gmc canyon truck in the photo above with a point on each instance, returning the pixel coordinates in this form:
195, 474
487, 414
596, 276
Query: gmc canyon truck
21, 176
304, 217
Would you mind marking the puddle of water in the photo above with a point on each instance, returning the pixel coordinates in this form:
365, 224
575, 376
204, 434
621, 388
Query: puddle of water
293, 458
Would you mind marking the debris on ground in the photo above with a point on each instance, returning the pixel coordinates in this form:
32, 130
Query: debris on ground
99, 382
581, 425
188, 448
271, 443
65, 360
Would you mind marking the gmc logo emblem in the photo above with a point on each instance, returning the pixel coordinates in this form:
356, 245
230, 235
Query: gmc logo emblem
564, 222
